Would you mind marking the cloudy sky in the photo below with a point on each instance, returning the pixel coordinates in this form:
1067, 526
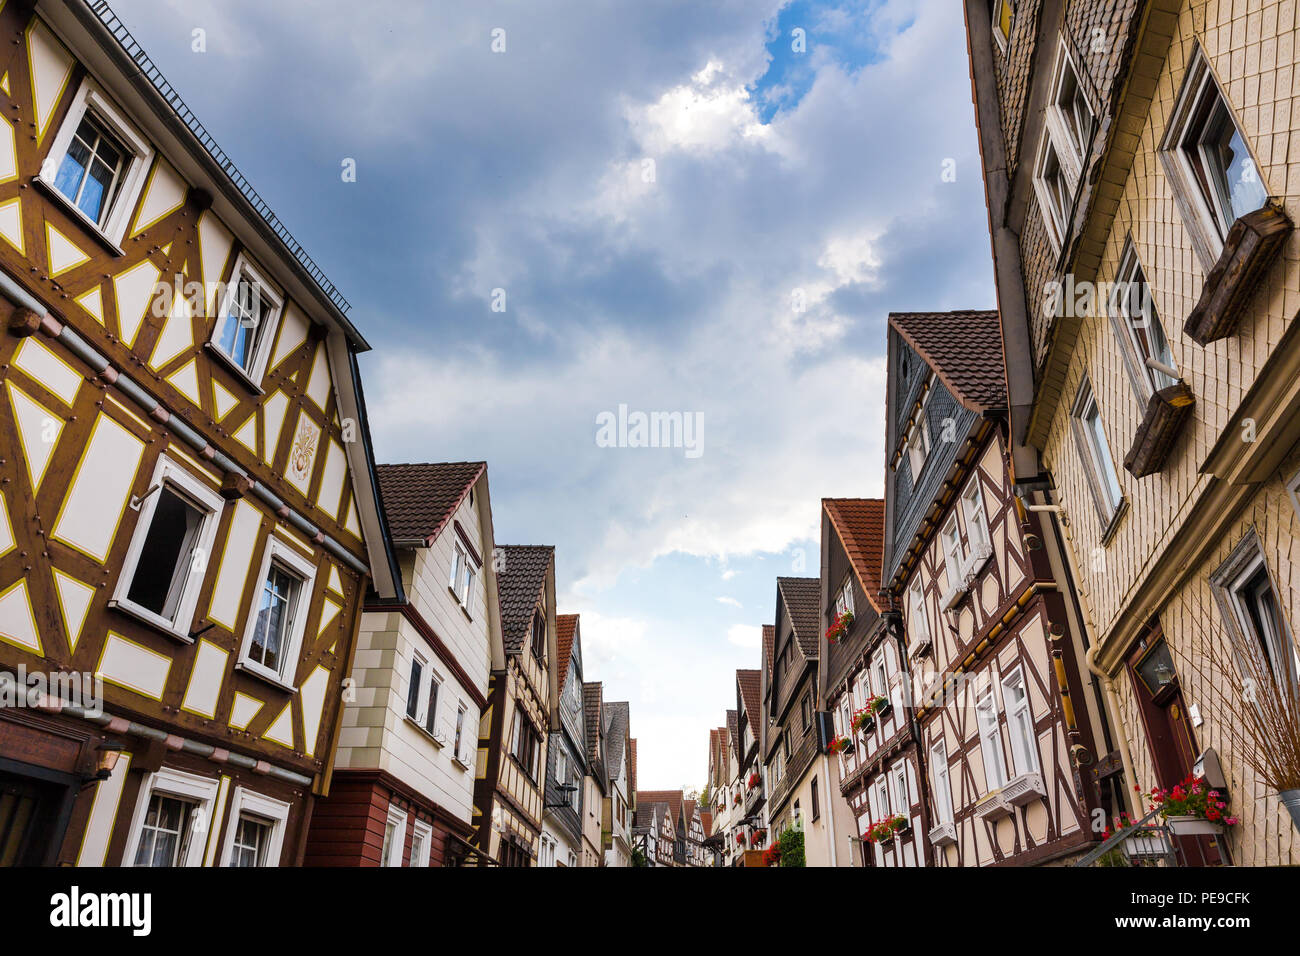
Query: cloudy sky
651, 190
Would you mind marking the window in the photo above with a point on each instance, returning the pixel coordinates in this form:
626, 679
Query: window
1020, 722
97, 163
1244, 589
246, 321
256, 834
918, 441
916, 603
816, 804
1146, 350
879, 680
1095, 452
431, 708
394, 838
463, 570
1070, 114
171, 819
525, 745
1054, 188
953, 556
880, 799
421, 843
939, 778
1215, 180
1003, 12
414, 687
844, 599
275, 626
460, 727
805, 713
539, 635
163, 569
986, 713
977, 524
900, 801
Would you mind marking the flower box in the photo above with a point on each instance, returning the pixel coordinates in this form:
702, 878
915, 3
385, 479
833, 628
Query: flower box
944, 834
1168, 410
1024, 789
993, 807
1147, 843
839, 627
1193, 826
840, 745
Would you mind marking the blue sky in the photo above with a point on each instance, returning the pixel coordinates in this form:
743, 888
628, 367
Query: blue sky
653, 186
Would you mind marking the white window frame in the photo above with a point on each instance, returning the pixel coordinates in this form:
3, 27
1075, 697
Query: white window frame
1245, 563
880, 675
1020, 722
264, 338
1207, 222
973, 510
919, 442
397, 819
1055, 210
274, 812
1145, 379
462, 564
954, 555
941, 782
305, 570
1097, 460
920, 619
999, 37
844, 597
1059, 120
990, 734
424, 832
900, 801
138, 161
201, 791
168, 471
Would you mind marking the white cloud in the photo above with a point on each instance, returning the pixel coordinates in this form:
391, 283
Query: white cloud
745, 635
730, 601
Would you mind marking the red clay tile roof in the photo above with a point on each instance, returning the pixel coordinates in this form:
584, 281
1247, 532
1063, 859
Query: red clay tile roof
860, 524
803, 598
671, 797
420, 499
965, 350
750, 692
706, 818
566, 626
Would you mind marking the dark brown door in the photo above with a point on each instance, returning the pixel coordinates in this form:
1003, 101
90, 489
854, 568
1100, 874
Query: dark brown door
1169, 732
28, 810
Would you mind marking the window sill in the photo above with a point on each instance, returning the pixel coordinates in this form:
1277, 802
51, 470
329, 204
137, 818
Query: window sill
153, 620
461, 763
262, 674
459, 603
1111, 526
90, 225
234, 368
433, 738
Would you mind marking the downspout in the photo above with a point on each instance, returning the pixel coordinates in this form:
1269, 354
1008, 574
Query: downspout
1061, 525
830, 805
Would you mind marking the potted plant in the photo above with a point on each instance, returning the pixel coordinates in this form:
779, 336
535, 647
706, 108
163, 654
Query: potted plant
772, 855
839, 627
863, 721
757, 837
839, 745
879, 705
1192, 808
740, 839
753, 780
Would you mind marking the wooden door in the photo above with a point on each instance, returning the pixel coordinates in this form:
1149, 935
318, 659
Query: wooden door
28, 809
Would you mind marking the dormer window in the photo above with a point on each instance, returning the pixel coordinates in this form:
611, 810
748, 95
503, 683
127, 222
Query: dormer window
844, 599
539, 635
918, 442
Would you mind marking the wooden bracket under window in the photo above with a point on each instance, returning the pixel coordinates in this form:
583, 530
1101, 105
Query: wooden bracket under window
1253, 243
1166, 412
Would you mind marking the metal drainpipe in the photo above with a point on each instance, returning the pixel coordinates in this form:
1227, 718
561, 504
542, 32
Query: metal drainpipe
1060, 523
830, 806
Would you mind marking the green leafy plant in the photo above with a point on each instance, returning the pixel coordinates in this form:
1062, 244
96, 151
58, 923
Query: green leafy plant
791, 844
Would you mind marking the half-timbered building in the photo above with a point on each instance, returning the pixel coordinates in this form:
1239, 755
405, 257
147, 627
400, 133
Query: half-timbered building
1142, 199
994, 657
654, 833
595, 785
188, 515
865, 688
795, 786
749, 797
566, 755
403, 792
511, 771
724, 787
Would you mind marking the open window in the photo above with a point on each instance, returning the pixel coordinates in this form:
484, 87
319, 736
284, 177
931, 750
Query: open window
255, 833
97, 163
278, 618
1138, 327
538, 642
463, 572
172, 817
1090, 438
247, 316
1215, 179
1246, 594
919, 441
164, 565
1070, 116
986, 716
1020, 723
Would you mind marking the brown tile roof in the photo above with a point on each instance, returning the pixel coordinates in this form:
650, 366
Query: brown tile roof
733, 735
420, 499
594, 714
618, 720
566, 627
965, 350
520, 578
750, 692
671, 797
803, 598
860, 524
706, 818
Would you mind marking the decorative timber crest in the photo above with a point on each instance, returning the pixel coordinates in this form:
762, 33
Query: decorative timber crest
302, 454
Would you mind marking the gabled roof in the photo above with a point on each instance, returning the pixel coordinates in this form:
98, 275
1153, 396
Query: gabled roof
566, 627
673, 799
733, 733
522, 574
964, 348
591, 708
769, 646
616, 714
802, 597
706, 818
750, 691
860, 524
420, 499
